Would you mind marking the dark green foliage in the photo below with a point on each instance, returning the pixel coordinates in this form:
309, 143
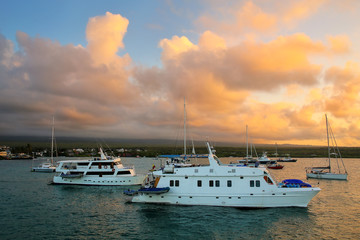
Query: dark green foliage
145, 150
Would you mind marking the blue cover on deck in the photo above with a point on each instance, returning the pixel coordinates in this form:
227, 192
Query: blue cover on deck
295, 183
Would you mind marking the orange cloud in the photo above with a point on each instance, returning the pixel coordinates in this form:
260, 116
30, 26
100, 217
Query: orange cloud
105, 36
344, 98
176, 46
238, 19
210, 41
100, 93
339, 44
243, 19
298, 10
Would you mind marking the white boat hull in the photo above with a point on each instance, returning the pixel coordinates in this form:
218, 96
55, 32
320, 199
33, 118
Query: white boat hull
298, 197
101, 181
44, 170
320, 175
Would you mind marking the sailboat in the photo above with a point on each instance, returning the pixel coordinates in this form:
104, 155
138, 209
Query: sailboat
329, 172
249, 160
47, 166
180, 160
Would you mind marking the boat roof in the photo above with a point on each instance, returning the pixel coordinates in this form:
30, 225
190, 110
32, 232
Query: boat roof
92, 160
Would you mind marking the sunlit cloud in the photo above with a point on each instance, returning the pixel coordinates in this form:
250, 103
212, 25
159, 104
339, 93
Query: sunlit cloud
105, 37
99, 90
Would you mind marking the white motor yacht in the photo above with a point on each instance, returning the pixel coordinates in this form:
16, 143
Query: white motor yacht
218, 184
104, 171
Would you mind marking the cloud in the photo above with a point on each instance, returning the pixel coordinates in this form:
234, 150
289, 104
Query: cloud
94, 91
172, 48
249, 65
344, 94
299, 10
249, 19
81, 86
339, 44
105, 37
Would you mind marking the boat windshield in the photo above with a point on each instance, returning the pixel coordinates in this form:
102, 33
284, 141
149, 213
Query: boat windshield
218, 160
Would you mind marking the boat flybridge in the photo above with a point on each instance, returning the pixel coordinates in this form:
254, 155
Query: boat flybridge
218, 184
103, 171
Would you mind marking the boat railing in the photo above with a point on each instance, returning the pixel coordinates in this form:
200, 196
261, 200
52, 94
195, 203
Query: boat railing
129, 167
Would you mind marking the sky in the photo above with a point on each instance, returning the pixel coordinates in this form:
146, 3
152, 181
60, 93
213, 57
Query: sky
121, 69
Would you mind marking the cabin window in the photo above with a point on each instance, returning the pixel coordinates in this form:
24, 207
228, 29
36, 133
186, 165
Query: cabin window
196, 170
211, 170
229, 183
211, 183
177, 183
98, 173
199, 183
268, 180
241, 177
257, 183
122, 172
171, 183
217, 183
83, 163
233, 170
252, 183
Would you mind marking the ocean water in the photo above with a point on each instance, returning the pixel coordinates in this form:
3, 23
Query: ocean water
32, 209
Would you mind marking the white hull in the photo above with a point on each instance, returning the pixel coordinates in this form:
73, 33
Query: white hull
299, 197
45, 170
334, 176
101, 181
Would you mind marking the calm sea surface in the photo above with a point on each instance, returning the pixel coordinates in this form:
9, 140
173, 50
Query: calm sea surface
32, 209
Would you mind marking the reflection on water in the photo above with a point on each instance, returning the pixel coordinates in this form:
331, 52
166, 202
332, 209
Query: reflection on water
29, 208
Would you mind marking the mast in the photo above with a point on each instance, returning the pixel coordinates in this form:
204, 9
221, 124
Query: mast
184, 129
327, 134
52, 142
193, 148
247, 142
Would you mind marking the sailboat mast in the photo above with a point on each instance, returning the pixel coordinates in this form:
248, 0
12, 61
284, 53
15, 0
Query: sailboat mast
52, 142
184, 129
327, 134
247, 142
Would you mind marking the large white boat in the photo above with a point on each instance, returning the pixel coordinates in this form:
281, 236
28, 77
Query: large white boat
218, 184
336, 171
104, 171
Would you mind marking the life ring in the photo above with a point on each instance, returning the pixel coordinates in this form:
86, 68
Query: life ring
105, 167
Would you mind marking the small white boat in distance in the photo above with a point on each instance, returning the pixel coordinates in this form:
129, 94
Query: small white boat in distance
329, 172
218, 184
103, 171
287, 158
265, 160
47, 166
44, 167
